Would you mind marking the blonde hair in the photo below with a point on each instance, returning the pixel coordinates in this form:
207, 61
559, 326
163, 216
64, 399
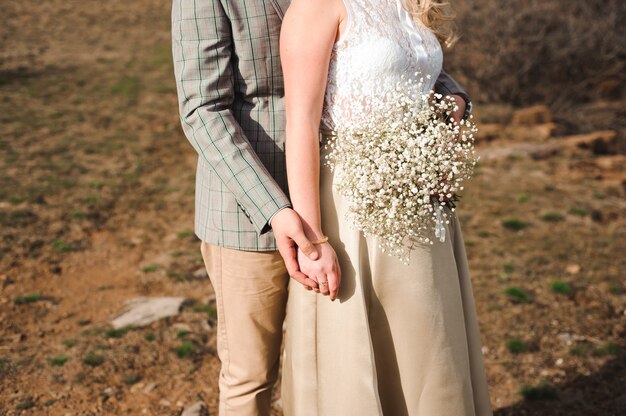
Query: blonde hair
436, 15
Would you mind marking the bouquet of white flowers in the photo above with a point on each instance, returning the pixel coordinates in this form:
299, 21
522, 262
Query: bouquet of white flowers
401, 165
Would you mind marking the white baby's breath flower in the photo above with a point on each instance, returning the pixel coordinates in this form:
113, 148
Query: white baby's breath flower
399, 167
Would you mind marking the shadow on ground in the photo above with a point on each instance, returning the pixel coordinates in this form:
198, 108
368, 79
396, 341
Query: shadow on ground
599, 394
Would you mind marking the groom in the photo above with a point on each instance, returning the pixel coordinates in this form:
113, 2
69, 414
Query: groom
230, 89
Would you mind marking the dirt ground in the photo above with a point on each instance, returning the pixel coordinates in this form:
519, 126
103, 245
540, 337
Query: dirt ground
96, 207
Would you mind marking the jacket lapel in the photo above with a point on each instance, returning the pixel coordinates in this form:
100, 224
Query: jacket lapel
280, 6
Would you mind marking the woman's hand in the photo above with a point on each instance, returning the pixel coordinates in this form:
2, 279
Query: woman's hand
325, 270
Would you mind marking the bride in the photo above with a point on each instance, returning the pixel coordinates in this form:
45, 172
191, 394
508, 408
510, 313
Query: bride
390, 339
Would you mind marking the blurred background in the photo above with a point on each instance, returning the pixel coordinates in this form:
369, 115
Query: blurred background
96, 210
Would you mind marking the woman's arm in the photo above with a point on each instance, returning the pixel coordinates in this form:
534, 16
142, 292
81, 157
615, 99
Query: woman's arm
308, 33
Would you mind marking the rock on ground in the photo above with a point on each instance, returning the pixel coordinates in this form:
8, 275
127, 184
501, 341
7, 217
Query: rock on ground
142, 311
196, 409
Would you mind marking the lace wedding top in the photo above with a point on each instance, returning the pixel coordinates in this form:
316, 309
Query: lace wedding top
381, 44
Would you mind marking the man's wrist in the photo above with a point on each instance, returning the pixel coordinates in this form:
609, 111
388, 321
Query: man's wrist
269, 222
468, 110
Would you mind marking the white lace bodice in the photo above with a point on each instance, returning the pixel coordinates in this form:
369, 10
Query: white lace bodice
381, 43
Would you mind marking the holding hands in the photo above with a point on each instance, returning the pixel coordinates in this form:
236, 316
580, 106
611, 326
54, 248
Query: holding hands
325, 270
313, 264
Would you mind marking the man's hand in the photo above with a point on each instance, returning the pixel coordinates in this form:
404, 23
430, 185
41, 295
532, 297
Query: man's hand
289, 238
460, 102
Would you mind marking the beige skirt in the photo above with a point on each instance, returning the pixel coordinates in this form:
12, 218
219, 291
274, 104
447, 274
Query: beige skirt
399, 340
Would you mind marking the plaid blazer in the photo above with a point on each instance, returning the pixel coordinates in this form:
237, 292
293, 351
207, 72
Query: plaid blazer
231, 100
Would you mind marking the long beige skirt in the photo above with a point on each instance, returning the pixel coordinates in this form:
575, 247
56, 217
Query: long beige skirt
399, 340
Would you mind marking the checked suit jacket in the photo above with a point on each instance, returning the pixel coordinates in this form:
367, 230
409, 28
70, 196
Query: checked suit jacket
231, 101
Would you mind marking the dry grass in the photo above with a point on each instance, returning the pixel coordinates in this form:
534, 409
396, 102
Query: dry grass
562, 53
96, 204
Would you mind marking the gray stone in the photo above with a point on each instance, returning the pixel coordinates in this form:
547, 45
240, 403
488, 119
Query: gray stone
108, 392
201, 274
196, 409
143, 310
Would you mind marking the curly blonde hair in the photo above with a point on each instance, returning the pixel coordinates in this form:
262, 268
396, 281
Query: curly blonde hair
436, 15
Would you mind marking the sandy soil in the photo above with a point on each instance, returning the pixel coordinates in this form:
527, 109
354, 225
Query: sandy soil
96, 207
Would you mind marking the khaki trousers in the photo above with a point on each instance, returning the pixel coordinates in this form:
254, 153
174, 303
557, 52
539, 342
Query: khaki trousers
251, 296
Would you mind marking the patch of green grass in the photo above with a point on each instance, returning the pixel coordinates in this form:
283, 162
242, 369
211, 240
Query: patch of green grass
30, 298
484, 234
185, 234
185, 349
118, 332
79, 215
210, 310
57, 114
96, 185
552, 217
515, 224
94, 360
62, 246
152, 267
131, 379
164, 88
523, 197
93, 198
517, 294
58, 361
161, 55
609, 348
131, 176
580, 350
579, 211
516, 346
65, 183
150, 337
70, 342
543, 391
93, 331
15, 199
509, 267
559, 286
182, 333
617, 290
599, 195
23, 215
127, 86
549, 187
26, 404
